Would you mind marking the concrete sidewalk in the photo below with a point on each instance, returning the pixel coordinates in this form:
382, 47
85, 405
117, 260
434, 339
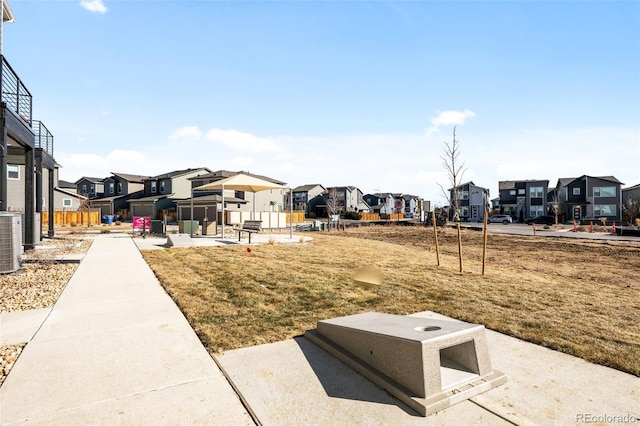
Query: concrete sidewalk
115, 349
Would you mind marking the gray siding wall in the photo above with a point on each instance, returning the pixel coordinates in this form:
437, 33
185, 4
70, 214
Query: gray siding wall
15, 192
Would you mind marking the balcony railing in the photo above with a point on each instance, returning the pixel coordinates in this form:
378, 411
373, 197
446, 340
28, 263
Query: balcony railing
44, 138
14, 93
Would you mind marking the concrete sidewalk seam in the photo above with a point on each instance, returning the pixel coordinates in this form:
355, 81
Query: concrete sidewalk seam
119, 397
236, 389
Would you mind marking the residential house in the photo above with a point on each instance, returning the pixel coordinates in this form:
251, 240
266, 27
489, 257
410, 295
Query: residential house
348, 199
26, 151
630, 195
65, 196
383, 203
588, 198
399, 202
306, 197
67, 186
413, 206
523, 199
90, 187
472, 200
119, 189
495, 205
209, 203
161, 193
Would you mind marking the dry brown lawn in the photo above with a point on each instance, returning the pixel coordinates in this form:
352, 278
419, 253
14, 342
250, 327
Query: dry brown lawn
578, 297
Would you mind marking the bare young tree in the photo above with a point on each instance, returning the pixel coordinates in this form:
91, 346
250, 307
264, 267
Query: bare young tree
333, 205
455, 170
631, 210
556, 207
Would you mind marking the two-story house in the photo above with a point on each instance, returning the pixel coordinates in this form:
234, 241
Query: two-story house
26, 151
90, 187
523, 199
412, 206
306, 197
118, 190
347, 199
161, 193
381, 202
591, 198
472, 201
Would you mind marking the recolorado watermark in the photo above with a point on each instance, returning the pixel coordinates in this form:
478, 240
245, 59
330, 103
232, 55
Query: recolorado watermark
607, 418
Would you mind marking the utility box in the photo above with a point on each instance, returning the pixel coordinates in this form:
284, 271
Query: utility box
188, 227
156, 227
10, 242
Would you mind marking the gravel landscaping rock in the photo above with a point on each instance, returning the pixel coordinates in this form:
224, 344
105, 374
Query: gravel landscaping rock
37, 285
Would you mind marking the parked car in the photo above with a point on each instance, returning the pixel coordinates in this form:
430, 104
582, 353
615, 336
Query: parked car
500, 218
546, 220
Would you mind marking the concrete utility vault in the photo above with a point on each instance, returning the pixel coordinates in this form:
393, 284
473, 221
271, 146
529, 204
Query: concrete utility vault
428, 364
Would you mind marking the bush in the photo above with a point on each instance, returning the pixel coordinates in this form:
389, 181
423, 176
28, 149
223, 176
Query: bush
352, 215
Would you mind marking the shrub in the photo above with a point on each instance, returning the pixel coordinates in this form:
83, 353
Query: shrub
73, 224
105, 231
118, 223
352, 215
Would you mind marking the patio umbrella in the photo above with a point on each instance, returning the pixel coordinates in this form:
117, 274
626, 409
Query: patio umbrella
243, 182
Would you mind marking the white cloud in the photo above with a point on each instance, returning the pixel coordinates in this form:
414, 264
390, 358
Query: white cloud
446, 118
93, 6
186, 133
243, 142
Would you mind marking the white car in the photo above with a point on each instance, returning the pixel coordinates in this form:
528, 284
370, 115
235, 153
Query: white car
500, 218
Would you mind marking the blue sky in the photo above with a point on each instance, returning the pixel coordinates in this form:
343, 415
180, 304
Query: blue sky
360, 93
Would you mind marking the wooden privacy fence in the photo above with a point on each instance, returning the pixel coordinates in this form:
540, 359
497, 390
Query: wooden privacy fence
298, 216
370, 216
68, 217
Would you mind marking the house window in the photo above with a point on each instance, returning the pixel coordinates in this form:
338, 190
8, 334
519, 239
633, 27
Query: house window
604, 210
576, 191
512, 192
13, 171
154, 187
119, 187
162, 187
521, 191
535, 192
604, 191
536, 211
463, 195
240, 195
111, 187
66, 202
93, 189
84, 188
464, 211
